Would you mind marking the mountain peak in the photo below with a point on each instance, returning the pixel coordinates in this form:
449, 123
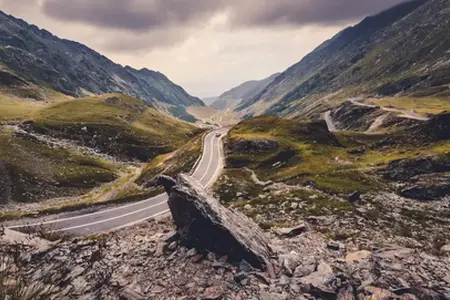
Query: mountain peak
73, 68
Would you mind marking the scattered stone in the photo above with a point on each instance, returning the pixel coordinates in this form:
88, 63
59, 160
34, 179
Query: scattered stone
244, 266
191, 252
370, 293
291, 232
173, 246
334, 245
212, 293
446, 249
354, 197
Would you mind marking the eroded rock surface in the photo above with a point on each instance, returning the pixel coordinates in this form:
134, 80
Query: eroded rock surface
205, 224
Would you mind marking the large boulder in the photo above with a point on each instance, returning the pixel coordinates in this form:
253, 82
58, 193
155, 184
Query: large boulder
202, 222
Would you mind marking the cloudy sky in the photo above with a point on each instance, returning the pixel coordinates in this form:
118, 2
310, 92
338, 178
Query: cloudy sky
207, 46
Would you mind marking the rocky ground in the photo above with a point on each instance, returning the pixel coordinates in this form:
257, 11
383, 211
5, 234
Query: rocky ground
151, 261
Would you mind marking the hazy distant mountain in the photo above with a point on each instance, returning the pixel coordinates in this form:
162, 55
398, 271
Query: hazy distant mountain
74, 69
209, 100
243, 92
403, 50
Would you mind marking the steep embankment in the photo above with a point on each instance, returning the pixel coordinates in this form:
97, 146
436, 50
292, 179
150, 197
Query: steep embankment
403, 50
76, 70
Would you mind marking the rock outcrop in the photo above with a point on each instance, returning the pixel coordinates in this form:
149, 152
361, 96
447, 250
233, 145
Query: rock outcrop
202, 222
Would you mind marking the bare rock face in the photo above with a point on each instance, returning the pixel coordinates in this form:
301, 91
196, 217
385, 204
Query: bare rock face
202, 222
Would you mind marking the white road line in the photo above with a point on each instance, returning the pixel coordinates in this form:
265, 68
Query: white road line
140, 221
219, 163
86, 215
109, 219
98, 212
203, 155
210, 160
125, 206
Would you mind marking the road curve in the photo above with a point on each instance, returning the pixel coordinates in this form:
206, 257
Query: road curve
206, 172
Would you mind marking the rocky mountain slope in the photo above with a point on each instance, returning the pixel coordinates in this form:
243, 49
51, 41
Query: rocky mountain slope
403, 50
76, 70
242, 93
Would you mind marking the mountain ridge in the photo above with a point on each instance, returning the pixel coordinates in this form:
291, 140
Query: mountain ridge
398, 51
241, 93
75, 69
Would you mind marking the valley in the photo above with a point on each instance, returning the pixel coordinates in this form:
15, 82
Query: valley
328, 180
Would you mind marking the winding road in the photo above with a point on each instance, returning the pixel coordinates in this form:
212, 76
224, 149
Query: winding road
206, 172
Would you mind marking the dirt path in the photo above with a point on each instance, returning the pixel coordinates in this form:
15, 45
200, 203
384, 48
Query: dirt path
403, 113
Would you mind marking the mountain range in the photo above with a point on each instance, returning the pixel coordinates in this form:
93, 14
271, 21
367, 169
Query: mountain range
74, 69
401, 51
242, 93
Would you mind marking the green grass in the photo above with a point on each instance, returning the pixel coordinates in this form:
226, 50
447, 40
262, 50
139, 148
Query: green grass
172, 164
31, 171
421, 105
308, 153
116, 124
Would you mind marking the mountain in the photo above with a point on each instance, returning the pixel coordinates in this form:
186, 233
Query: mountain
74, 69
209, 100
242, 93
404, 50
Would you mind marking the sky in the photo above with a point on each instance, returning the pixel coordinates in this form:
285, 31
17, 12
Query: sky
206, 46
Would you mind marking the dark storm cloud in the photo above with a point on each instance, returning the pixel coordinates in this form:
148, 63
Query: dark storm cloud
138, 15
143, 15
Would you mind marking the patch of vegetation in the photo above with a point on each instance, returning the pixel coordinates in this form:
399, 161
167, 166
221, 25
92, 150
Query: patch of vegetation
31, 171
172, 164
420, 105
308, 154
116, 124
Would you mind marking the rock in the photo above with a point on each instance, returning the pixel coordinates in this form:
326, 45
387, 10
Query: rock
172, 246
132, 292
289, 262
354, 197
167, 182
212, 293
191, 252
291, 232
319, 279
171, 236
346, 293
248, 207
358, 256
11, 237
371, 293
244, 266
294, 205
204, 223
337, 246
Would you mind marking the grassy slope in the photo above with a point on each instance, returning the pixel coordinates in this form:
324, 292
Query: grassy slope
424, 105
115, 124
315, 155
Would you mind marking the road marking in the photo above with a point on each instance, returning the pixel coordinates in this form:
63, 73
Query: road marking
140, 221
219, 163
98, 212
109, 219
209, 162
203, 156
129, 205
86, 215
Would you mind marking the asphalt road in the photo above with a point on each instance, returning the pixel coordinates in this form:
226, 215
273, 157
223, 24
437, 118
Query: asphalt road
207, 171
